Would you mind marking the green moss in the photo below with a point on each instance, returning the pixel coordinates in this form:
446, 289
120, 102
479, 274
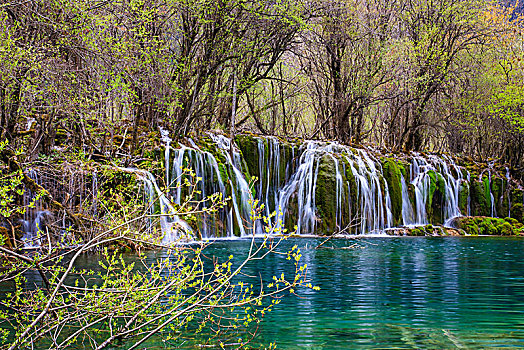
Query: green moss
517, 212
486, 227
353, 194
248, 146
475, 225
471, 229
436, 196
463, 197
326, 196
441, 186
224, 175
416, 232
480, 203
513, 221
392, 175
517, 196
487, 193
505, 229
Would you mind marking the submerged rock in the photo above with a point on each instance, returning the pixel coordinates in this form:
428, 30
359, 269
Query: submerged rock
425, 231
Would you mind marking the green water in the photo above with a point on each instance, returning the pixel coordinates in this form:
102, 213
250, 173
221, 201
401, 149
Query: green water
392, 293
401, 293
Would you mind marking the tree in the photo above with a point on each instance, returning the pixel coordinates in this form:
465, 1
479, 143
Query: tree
343, 55
434, 35
180, 294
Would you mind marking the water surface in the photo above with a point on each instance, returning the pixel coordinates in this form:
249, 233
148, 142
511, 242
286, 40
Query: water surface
401, 293
391, 293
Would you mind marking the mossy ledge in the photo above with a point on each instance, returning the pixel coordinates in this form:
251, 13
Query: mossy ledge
488, 226
425, 231
464, 226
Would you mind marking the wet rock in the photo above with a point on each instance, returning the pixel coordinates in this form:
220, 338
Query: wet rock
483, 225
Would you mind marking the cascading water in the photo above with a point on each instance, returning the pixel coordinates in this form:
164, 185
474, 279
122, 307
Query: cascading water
421, 170
469, 194
375, 215
240, 193
421, 180
303, 183
452, 185
164, 134
288, 182
270, 178
408, 216
34, 217
209, 182
375, 209
171, 225
492, 198
508, 179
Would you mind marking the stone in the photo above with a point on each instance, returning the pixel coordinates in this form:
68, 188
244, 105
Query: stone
392, 174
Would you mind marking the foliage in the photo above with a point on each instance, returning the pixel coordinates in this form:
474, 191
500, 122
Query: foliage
180, 297
11, 187
401, 74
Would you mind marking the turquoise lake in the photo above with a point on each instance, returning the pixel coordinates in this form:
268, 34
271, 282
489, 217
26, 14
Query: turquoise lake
389, 293
399, 293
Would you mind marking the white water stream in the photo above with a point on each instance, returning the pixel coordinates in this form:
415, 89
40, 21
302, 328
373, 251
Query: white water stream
287, 189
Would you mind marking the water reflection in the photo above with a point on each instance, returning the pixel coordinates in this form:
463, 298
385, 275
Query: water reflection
408, 293
394, 293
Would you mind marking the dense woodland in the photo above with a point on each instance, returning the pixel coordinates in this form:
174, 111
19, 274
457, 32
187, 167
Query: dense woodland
99, 77
87, 89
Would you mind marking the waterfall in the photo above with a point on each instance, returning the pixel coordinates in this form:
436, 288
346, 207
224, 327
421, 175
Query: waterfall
421, 181
240, 193
339, 193
469, 193
421, 170
302, 182
492, 198
270, 177
375, 202
374, 215
508, 179
288, 186
206, 171
33, 221
164, 135
452, 185
408, 216
208, 180
173, 228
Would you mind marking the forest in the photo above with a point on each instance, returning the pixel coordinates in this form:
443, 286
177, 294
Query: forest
132, 126
99, 77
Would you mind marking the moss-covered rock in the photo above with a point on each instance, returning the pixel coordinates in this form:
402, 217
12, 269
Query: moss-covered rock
416, 232
482, 225
392, 174
428, 231
480, 201
463, 197
248, 145
436, 198
326, 195
505, 229
517, 212
354, 203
